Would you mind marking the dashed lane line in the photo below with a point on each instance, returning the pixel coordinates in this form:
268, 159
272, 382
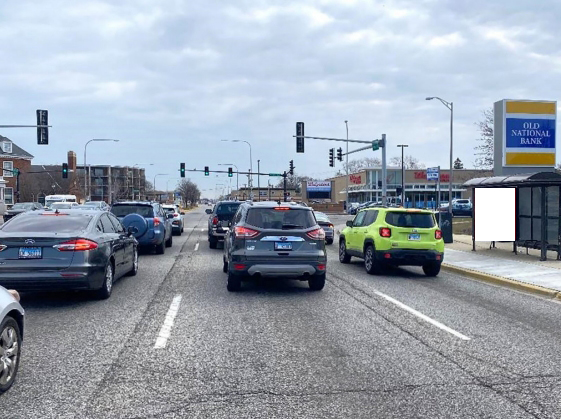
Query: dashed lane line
165, 331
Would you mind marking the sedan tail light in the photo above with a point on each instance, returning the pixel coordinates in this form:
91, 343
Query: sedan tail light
438, 234
385, 232
317, 234
215, 221
244, 232
78, 245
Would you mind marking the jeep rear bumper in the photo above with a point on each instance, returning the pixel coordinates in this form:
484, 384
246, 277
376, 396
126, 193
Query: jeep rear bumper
411, 257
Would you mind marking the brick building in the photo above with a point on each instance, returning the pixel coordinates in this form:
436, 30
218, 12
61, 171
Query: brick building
11, 157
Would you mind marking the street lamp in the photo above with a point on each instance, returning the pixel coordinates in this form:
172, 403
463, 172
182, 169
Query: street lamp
450, 106
402, 174
250, 162
87, 179
347, 167
237, 174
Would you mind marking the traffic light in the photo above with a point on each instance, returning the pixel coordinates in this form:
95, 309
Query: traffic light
182, 169
340, 154
291, 171
207, 172
331, 157
375, 145
299, 137
42, 133
65, 170
230, 172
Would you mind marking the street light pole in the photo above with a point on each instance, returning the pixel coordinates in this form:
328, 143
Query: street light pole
402, 174
450, 106
258, 181
347, 167
87, 173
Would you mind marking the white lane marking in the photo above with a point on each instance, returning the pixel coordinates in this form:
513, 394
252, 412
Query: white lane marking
196, 247
422, 316
165, 331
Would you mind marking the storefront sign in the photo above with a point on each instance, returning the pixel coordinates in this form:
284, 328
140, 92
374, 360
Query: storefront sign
318, 189
356, 179
432, 173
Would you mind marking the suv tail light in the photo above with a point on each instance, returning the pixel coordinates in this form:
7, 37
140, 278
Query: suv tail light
330, 226
156, 221
78, 245
317, 234
385, 232
438, 234
245, 232
215, 221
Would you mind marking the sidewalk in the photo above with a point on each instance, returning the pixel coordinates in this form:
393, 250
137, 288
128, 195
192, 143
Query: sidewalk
501, 265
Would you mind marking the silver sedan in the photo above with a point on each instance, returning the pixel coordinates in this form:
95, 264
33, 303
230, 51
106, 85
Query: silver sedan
11, 336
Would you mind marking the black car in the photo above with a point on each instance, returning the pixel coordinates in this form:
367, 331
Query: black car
269, 239
220, 215
66, 250
22, 207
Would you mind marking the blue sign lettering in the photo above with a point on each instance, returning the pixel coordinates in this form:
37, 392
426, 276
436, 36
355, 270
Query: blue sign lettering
530, 133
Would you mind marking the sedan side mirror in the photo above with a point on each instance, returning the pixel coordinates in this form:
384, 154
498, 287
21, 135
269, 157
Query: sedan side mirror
349, 223
132, 230
208, 211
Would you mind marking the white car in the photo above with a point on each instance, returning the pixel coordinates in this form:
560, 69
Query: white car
177, 221
64, 205
11, 336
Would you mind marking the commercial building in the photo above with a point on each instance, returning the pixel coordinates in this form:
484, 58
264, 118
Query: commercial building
113, 183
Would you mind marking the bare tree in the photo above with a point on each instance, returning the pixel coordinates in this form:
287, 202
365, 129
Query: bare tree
119, 190
359, 164
188, 191
485, 149
293, 182
410, 162
148, 186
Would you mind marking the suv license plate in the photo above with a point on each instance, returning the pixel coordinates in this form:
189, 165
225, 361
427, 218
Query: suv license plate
283, 246
415, 237
30, 253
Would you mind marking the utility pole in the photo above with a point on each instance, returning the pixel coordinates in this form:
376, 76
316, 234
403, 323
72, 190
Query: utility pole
402, 174
347, 167
258, 181
384, 171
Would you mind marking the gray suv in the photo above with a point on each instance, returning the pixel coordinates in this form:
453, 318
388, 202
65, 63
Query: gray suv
220, 216
269, 239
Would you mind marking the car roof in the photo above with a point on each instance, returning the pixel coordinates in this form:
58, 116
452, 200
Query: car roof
398, 209
274, 204
134, 203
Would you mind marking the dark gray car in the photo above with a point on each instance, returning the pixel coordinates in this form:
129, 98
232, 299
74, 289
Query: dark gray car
221, 214
21, 207
63, 250
325, 223
275, 240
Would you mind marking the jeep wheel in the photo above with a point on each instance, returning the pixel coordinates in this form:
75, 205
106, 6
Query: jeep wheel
344, 257
431, 269
371, 265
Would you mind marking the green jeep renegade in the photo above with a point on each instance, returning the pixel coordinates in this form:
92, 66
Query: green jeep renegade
393, 236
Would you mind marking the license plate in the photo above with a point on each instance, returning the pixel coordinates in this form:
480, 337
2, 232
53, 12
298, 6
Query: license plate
30, 253
283, 246
414, 237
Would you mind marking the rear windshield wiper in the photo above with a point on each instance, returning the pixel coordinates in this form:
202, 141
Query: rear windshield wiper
286, 226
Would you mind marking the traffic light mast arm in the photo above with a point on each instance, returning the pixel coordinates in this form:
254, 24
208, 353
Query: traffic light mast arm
336, 139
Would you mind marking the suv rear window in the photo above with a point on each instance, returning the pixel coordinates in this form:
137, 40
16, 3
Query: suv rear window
270, 218
227, 209
123, 210
47, 223
408, 219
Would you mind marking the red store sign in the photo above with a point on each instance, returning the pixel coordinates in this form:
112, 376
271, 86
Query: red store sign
356, 179
421, 174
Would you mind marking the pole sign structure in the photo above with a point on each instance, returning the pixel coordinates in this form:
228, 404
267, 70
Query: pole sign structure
432, 173
524, 136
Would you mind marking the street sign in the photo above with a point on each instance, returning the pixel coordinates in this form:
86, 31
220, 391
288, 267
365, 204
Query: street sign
299, 137
375, 145
432, 173
42, 133
275, 174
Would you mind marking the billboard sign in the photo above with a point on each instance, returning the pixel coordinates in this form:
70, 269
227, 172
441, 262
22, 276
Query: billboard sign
318, 189
432, 173
528, 131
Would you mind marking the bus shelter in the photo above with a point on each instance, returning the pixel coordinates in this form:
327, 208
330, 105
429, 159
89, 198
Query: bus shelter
538, 199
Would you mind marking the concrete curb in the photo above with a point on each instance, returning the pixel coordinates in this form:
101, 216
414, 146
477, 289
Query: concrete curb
505, 282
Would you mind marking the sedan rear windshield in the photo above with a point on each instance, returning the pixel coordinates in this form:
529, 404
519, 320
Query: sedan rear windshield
321, 217
47, 223
145, 211
270, 218
407, 219
22, 206
227, 209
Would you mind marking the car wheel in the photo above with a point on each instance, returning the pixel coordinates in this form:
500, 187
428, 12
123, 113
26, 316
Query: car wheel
234, 282
212, 242
224, 265
169, 242
107, 287
431, 269
317, 282
344, 257
371, 265
134, 269
328, 242
161, 248
10, 345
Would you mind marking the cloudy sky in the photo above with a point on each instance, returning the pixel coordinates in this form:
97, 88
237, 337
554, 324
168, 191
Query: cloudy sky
171, 78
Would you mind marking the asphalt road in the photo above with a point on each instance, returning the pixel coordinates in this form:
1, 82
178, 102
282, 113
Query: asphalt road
173, 343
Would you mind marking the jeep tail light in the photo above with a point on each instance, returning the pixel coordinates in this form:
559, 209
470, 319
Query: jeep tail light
385, 232
317, 234
438, 234
215, 221
78, 245
245, 232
